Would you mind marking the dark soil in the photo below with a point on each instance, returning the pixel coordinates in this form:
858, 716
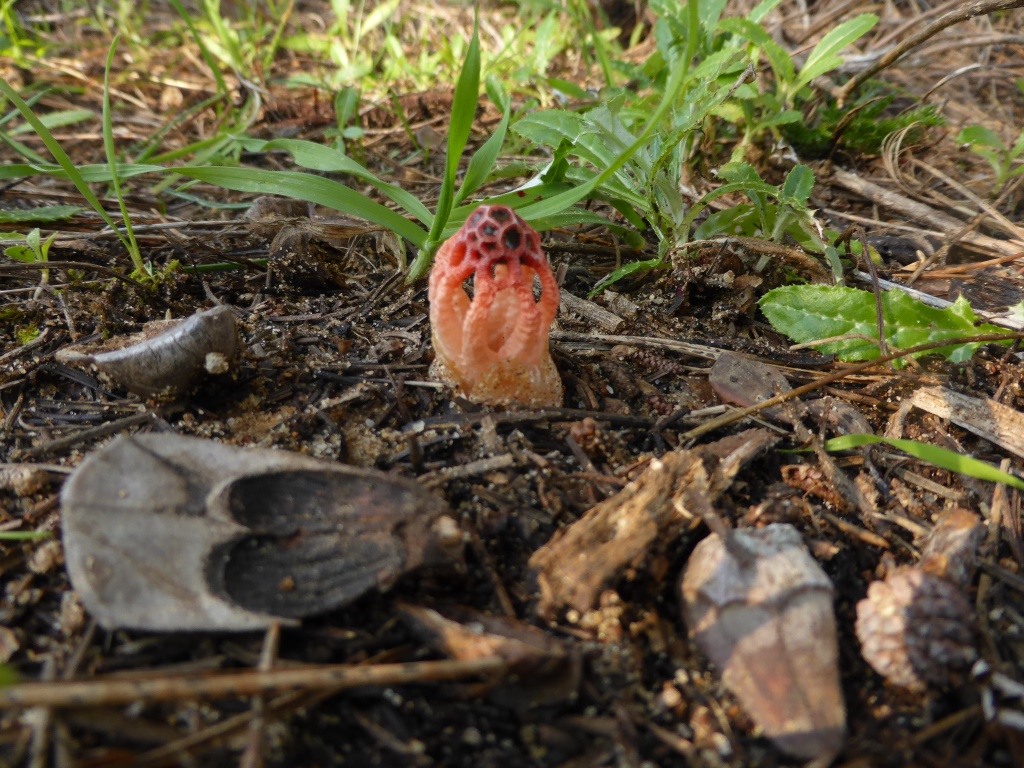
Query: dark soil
336, 352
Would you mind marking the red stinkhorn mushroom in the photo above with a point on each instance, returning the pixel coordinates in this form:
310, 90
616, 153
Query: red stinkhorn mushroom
494, 348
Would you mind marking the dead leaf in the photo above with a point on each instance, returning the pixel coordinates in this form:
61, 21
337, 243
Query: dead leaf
760, 607
178, 533
167, 358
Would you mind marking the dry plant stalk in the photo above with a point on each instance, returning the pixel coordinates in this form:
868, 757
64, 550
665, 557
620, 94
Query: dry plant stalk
985, 417
121, 692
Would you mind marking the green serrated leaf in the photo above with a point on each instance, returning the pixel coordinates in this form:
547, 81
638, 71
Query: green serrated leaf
496, 92
738, 221
797, 186
809, 313
7, 676
568, 89
940, 457
788, 117
779, 59
757, 191
20, 253
710, 12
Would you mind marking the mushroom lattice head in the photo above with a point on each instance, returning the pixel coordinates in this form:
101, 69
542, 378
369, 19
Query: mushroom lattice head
494, 347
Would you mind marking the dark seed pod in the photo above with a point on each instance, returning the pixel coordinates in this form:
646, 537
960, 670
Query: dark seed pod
177, 533
170, 357
915, 628
760, 608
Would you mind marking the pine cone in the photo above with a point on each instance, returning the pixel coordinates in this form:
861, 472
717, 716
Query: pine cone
915, 628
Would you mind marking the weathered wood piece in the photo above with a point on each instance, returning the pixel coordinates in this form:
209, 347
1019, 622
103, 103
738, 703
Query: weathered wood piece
672, 495
984, 417
595, 313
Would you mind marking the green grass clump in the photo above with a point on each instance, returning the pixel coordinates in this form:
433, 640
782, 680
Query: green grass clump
860, 128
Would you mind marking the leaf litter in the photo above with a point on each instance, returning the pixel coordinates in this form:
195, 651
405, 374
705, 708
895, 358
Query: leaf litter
555, 664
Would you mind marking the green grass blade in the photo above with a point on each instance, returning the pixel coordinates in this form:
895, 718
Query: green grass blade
145, 150
467, 95
202, 148
87, 173
108, 147
483, 160
317, 157
24, 536
302, 186
940, 457
61, 157
58, 120
222, 87
308, 187
763, 9
515, 200
19, 148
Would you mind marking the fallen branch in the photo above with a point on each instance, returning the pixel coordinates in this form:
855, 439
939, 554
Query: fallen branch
912, 209
961, 13
734, 416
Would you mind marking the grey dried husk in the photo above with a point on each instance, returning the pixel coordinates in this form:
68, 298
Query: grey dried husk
168, 532
760, 607
170, 358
